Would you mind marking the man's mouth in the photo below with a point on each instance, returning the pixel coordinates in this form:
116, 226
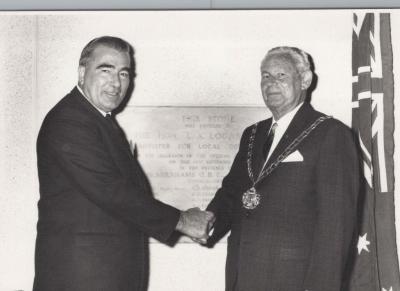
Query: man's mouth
273, 93
113, 94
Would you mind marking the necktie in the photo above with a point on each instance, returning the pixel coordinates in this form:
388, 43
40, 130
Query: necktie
268, 142
112, 121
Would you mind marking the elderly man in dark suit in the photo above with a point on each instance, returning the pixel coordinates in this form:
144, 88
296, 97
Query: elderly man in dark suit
290, 197
96, 208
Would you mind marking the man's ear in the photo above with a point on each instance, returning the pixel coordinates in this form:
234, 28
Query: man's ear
81, 75
306, 79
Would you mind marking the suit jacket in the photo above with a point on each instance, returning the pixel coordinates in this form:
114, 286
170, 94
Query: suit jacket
299, 237
95, 209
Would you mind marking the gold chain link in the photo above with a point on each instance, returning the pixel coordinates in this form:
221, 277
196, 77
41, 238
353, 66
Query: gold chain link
283, 155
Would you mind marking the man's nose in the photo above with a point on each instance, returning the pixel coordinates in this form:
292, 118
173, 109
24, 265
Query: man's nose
116, 81
272, 80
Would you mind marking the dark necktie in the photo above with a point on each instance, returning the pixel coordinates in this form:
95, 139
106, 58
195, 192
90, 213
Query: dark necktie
111, 121
268, 142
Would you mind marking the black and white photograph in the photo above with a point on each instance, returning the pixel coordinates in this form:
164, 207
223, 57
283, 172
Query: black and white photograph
200, 150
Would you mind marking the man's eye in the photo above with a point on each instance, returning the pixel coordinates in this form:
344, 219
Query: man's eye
281, 75
105, 70
266, 76
124, 74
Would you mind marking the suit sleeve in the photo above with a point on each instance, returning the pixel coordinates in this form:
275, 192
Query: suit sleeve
225, 201
337, 188
80, 152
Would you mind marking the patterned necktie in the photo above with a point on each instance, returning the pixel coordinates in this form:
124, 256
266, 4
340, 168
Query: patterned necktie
268, 142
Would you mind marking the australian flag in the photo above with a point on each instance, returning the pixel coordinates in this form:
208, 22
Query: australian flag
376, 262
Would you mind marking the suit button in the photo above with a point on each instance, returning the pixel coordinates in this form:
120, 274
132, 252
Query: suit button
247, 213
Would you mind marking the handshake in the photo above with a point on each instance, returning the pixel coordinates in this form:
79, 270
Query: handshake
196, 224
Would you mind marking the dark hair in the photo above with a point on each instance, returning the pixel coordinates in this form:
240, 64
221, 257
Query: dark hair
111, 42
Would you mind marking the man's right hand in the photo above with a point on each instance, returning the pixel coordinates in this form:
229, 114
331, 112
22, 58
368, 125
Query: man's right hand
196, 224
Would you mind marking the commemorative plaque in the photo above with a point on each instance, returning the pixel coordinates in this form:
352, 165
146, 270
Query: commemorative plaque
186, 151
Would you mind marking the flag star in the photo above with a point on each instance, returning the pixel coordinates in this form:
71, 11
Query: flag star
363, 244
391, 289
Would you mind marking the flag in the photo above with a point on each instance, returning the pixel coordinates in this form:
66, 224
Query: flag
375, 261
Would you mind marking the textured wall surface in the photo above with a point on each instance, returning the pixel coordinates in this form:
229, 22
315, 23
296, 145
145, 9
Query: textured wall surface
19, 190
183, 58
196, 57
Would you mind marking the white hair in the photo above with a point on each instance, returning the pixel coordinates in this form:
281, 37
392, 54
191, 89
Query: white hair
299, 57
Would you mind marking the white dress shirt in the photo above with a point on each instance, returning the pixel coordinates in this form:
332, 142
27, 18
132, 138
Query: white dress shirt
98, 109
282, 125
131, 144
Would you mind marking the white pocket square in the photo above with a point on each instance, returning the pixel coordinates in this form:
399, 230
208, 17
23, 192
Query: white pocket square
296, 156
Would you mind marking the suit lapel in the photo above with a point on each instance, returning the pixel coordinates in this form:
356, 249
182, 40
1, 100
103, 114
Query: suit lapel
257, 160
113, 138
302, 119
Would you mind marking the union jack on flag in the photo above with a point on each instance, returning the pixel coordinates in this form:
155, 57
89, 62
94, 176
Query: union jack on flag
376, 264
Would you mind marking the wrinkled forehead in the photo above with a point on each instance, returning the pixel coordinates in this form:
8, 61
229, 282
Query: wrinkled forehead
281, 60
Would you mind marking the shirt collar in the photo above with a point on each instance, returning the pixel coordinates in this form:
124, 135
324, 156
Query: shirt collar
287, 118
98, 109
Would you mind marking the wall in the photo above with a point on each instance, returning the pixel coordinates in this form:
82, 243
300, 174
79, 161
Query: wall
19, 187
191, 58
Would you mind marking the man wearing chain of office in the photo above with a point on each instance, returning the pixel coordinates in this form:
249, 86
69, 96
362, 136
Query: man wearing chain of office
290, 197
